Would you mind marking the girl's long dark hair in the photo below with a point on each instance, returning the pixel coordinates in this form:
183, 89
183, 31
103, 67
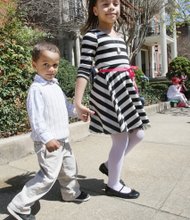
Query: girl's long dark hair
92, 20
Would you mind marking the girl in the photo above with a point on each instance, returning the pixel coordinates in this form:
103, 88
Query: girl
115, 107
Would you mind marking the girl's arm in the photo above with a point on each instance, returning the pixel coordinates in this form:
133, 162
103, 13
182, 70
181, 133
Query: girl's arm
82, 111
88, 51
178, 87
184, 87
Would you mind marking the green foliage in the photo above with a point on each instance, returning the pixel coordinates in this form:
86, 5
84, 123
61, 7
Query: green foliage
155, 91
150, 96
67, 76
15, 73
178, 66
138, 76
182, 12
14, 82
140, 79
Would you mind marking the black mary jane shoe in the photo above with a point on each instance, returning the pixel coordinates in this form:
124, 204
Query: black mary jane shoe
131, 195
103, 169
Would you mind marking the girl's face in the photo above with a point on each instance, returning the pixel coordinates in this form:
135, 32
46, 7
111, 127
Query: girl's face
107, 11
47, 64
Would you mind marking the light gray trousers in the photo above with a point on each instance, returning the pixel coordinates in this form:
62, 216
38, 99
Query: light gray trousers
59, 164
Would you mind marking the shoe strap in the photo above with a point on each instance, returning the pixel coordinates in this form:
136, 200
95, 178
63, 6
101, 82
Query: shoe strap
121, 188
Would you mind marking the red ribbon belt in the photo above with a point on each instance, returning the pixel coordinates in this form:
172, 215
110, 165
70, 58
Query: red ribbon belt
114, 69
129, 69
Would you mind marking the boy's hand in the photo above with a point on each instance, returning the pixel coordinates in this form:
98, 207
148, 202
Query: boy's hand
52, 145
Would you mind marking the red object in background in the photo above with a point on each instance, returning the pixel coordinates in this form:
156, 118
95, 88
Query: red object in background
131, 71
176, 80
181, 104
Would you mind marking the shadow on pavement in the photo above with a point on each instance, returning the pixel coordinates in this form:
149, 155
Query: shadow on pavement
95, 187
14, 185
10, 188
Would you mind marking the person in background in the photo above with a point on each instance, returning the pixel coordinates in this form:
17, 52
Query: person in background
184, 89
115, 107
48, 111
174, 93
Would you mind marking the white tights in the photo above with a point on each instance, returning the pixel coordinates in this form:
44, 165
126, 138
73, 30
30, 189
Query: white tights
122, 143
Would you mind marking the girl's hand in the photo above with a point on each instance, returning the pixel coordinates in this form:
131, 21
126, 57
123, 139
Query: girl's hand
52, 145
84, 113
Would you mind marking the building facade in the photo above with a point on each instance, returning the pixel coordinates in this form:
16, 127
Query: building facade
160, 47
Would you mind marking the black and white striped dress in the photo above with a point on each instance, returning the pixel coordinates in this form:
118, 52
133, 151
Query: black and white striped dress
113, 97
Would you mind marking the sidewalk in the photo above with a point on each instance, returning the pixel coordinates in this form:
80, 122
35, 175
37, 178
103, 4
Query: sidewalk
159, 168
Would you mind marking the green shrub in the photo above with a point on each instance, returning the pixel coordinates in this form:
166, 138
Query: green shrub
155, 91
178, 66
14, 82
67, 76
140, 80
15, 73
162, 85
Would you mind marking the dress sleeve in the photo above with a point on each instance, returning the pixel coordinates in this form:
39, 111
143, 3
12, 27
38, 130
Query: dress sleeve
88, 51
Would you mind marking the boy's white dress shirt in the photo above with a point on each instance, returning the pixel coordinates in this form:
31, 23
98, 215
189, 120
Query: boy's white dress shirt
48, 110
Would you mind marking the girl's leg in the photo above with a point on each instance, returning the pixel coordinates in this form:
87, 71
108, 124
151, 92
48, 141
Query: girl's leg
181, 97
183, 101
115, 161
134, 138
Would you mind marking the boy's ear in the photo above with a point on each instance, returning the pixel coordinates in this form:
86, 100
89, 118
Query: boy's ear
33, 64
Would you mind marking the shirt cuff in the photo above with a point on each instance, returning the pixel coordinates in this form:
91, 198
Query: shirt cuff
46, 137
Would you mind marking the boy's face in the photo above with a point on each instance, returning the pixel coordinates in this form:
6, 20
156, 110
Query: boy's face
47, 64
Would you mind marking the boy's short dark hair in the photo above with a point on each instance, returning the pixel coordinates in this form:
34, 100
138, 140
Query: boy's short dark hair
39, 47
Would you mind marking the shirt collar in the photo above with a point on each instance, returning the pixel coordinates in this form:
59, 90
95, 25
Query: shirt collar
42, 81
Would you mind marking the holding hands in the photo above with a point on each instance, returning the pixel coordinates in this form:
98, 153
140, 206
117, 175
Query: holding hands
84, 113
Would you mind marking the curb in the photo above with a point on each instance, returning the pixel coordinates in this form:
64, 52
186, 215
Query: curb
157, 108
17, 147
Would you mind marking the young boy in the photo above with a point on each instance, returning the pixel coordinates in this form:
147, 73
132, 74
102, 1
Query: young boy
48, 114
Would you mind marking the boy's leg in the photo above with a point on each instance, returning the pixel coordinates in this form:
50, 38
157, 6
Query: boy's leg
70, 188
34, 189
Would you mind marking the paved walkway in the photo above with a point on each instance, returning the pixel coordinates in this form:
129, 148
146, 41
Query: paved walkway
159, 168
